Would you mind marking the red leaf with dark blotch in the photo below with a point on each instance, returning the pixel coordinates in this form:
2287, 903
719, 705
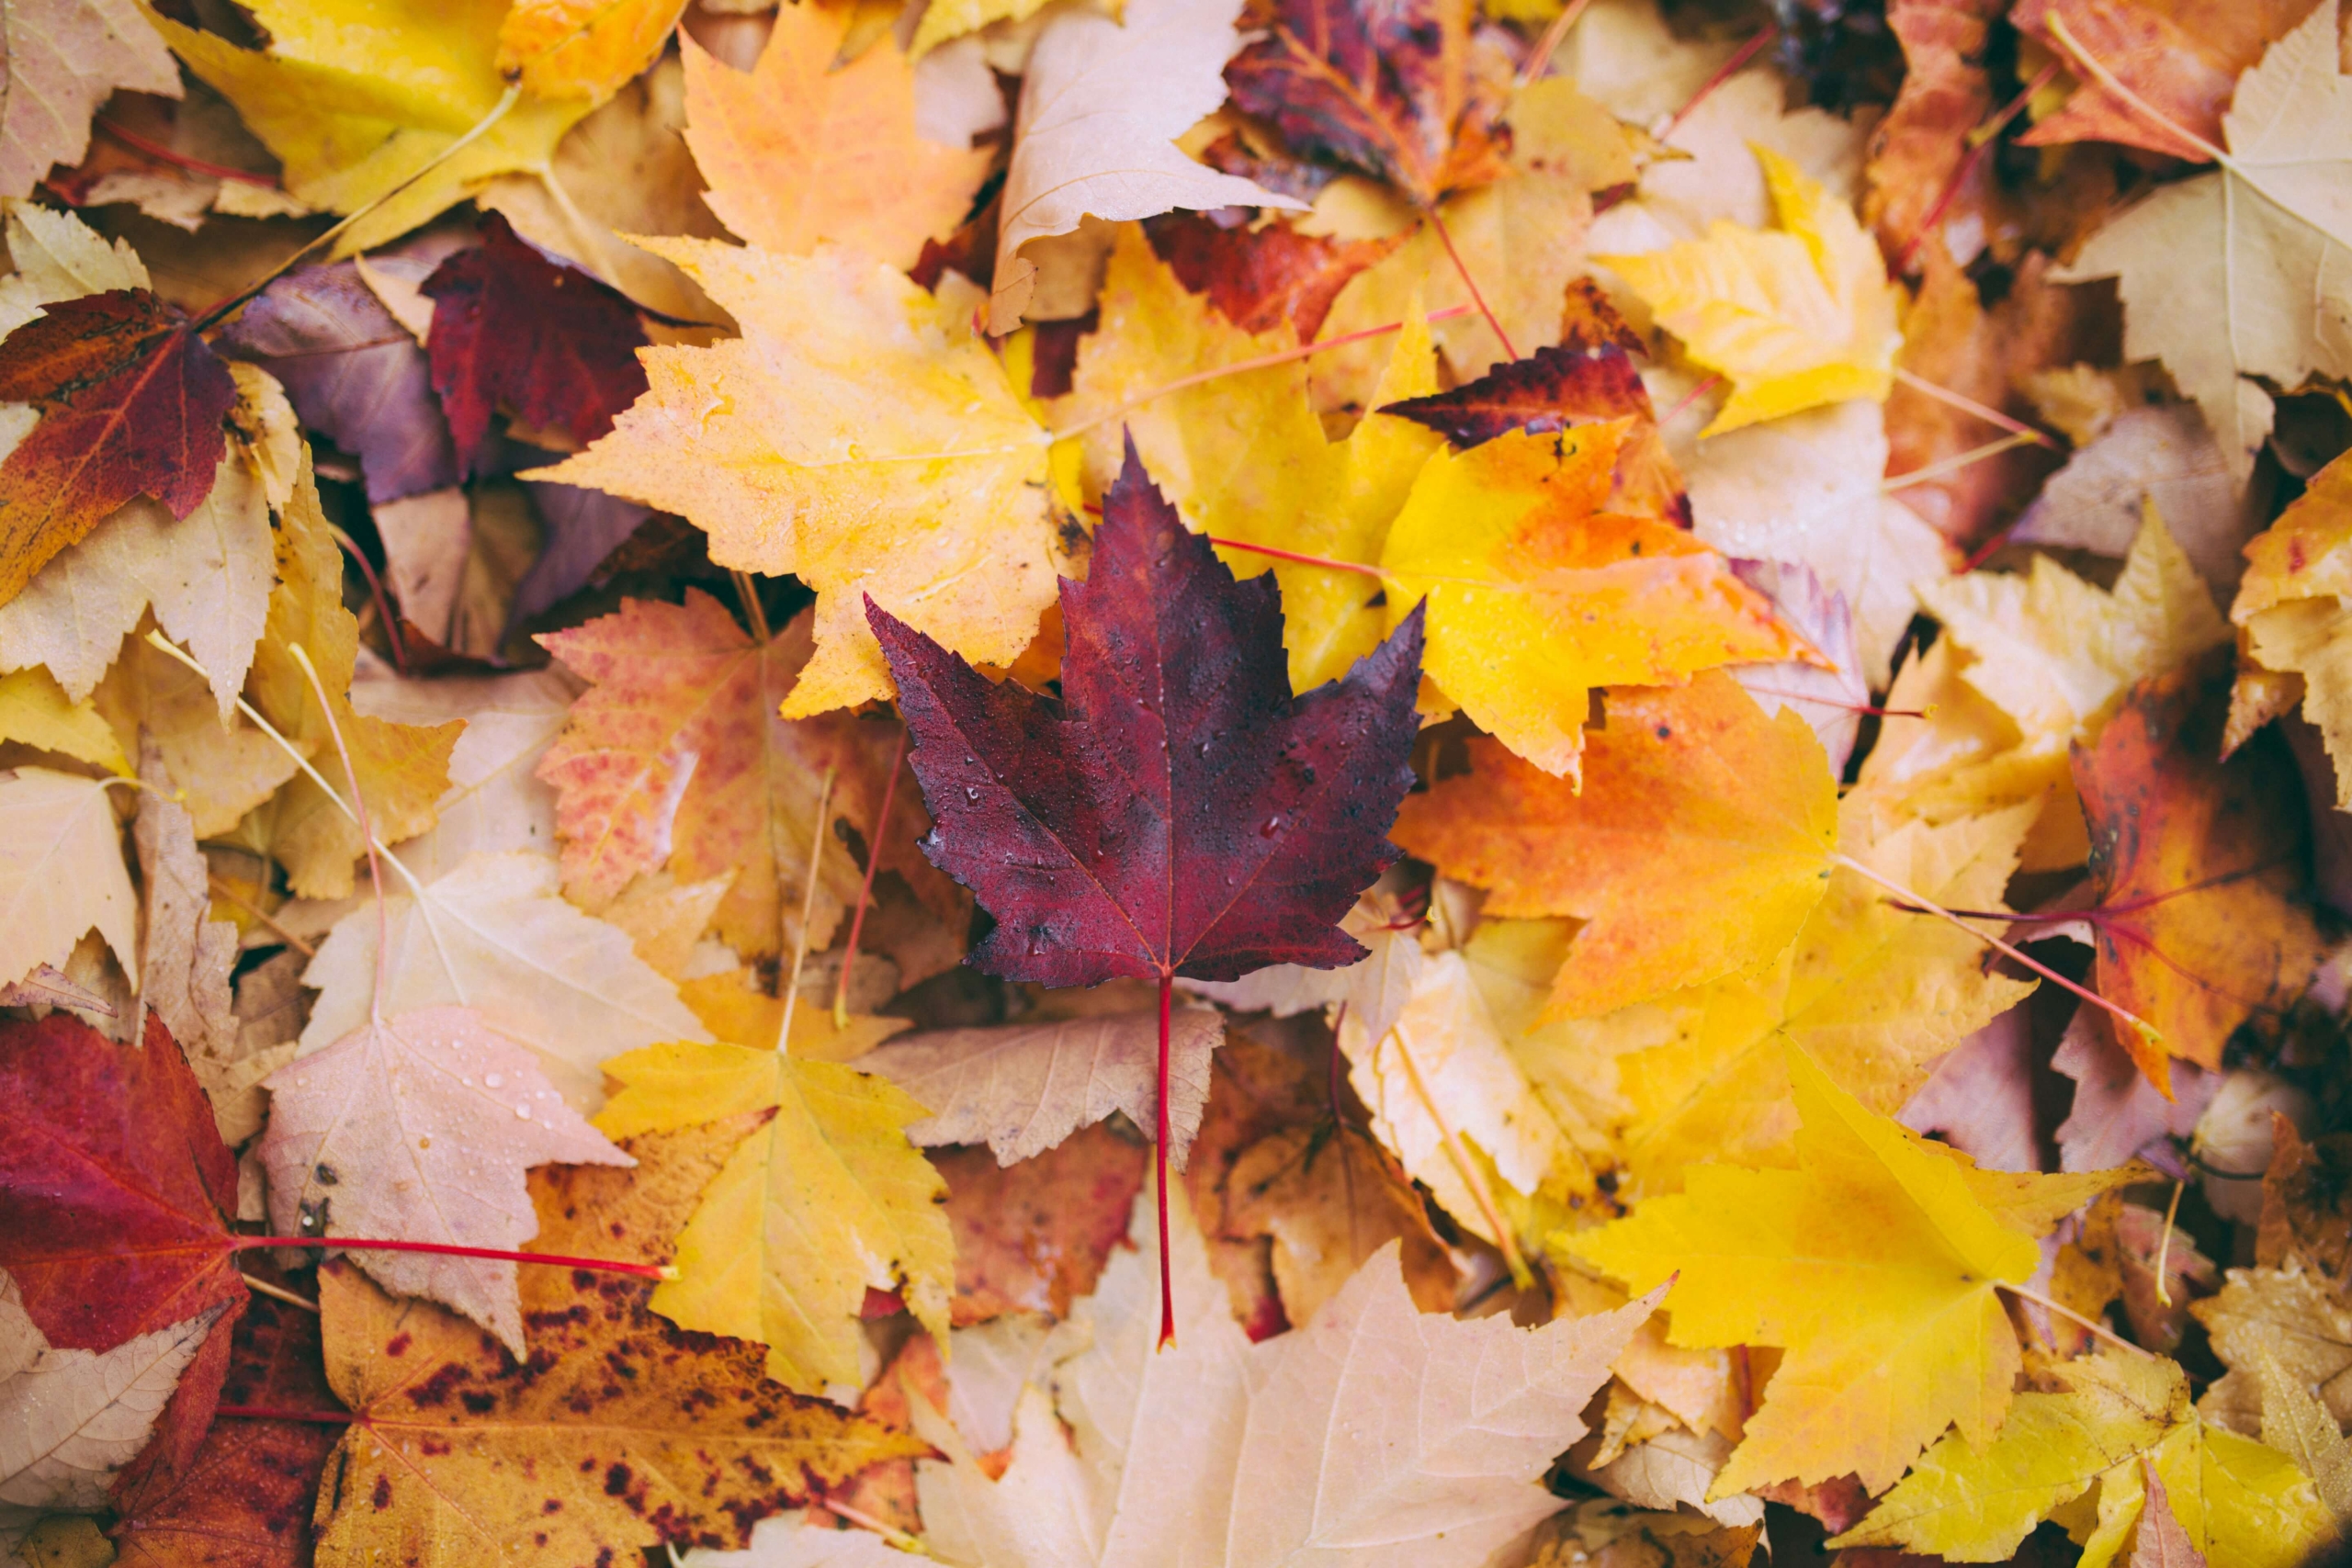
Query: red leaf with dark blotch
244, 1498
188, 1415
114, 1184
1259, 278
132, 403
1550, 390
511, 328
1394, 89
1177, 812
1587, 321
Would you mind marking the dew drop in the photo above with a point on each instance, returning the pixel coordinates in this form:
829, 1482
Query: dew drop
971, 791
492, 1080
523, 1113
425, 1142
1273, 825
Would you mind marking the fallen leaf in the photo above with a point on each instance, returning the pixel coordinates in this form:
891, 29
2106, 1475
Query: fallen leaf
34, 711
1874, 1264
459, 1447
1980, 1099
1033, 1237
64, 60
2180, 62
2116, 1111
219, 773
1796, 317
2285, 1315
1259, 278
493, 935
1330, 1201
495, 800
1832, 700
387, 1132
846, 369
1535, 595
131, 402
585, 49
2199, 866
114, 1141
2161, 458
514, 331
1698, 843
823, 1201
2289, 608
1920, 147
62, 872
186, 955
2278, 197
1374, 988
1021, 1088
799, 154
2299, 1425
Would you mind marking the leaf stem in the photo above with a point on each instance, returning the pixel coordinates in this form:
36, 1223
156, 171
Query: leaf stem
1928, 907
1954, 464
375, 590
807, 910
1990, 415
1472, 1178
2107, 80
277, 1293
1979, 143
866, 886
450, 1249
366, 834
1159, 1151
1539, 59
2102, 1330
180, 160
221, 890
2163, 1247
1325, 561
1723, 73
1445, 237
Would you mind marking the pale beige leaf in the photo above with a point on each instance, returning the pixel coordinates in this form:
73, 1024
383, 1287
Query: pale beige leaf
187, 954
419, 1128
795, 1539
70, 1418
1375, 988
493, 935
495, 800
218, 771
1021, 1088
269, 1017
61, 872
64, 58
1101, 107
2163, 457
35, 711
665, 918
58, 257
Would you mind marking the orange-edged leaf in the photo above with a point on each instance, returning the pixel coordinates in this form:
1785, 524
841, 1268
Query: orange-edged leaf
2181, 58
1400, 93
582, 49
1698, 845
131, 405
1258, 278
2199, 865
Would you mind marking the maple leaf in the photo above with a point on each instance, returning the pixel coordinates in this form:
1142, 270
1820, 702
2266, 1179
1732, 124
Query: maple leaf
2289, 606
1874, 1264
2279, 194
2196, 867
1374, 988
1796, 317
1401, 96
2296, 1424
512, 329
62, 872
1330, 1201
387, 1132
1198, 1453
2284, 1314
495, 800
457, 1446
844, 372
132, 403
1032, 1236
675, 754
34, 710
187, 955
1258, 278
1535, 595
823, 1201
798, 152
113, 1141
1920, 147
562, 49
2181, 61
1101, 104
64, 58
1021, 1088
2112, 1422
1700, 841
358, 104
492, 935
2165, 455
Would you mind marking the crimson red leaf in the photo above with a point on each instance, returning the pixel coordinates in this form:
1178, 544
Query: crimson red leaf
555, 347
1550, 390
1391, 87
1177, 812
115, 1188
1258, 278
132, 403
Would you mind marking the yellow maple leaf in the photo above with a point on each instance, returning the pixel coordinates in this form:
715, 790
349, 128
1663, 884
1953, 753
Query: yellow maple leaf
1244, 456
1875, 1265
823, 1201
356, 96
582, 49
1796, 317
1976, 1501
35, 711
2292, 617
947, 19
858, 436
1700, 841
403, 769
1536, 595
798, 152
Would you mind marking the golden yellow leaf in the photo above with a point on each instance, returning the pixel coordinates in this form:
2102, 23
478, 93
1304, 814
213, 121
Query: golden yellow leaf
1535, 596
356, 96
1796, 317
34, 711
2291, 607
730, 1008
798, 152
1875, 1265
954, 18
1697, 845
823, 1201
856, 436
582, 49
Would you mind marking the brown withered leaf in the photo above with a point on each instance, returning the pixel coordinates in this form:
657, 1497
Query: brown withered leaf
132, 403
1256, 1090
1260, 277
1033, 1237
1918, 148
1329, 1198
2307, 1201
620, 1431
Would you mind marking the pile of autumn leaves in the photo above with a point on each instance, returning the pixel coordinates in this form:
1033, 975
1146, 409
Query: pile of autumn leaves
617, 957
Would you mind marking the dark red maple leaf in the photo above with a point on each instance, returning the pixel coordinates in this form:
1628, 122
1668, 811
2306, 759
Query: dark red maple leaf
1257, 279
131, 405
115, 1188
550, 344
242, 1499
1395, 88
1177, 812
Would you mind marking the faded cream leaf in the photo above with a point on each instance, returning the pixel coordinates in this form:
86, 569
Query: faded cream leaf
61, 872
